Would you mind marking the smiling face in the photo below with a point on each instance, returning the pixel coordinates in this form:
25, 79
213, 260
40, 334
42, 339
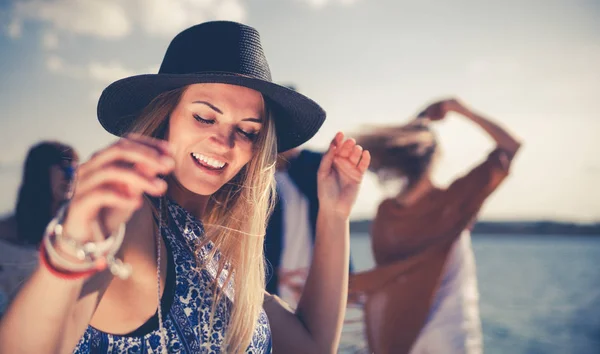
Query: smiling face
212, 132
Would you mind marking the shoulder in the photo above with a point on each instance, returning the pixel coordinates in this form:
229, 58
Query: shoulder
387, 204
386, 212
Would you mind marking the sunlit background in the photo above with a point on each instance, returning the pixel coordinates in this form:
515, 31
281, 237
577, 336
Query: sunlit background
532, 65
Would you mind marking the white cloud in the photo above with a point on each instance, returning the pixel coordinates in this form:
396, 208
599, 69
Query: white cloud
108, 72
161, 17
50, 40
102, 73
168, 17
113, 20
116, 19
230, 10
55, 64
14, 29
98, 18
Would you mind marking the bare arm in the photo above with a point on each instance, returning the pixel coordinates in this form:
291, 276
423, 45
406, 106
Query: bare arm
53, 313
323, 302
374, 279
52, 310
504, 140
316, 326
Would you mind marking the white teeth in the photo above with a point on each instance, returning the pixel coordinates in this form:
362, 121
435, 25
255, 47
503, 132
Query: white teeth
208, 160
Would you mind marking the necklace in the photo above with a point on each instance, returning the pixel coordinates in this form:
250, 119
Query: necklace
161, 328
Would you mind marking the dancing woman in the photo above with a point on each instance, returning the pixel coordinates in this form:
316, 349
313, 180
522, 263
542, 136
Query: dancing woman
423, 292
187, 191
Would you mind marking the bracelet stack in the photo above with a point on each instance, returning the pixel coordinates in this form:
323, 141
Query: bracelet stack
92, 256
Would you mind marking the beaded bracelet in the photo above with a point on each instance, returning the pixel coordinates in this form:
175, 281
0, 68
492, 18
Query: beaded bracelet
96, 255
59, 273
88, 250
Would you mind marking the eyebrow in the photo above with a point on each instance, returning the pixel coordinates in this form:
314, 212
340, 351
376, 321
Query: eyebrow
216, 109
209, 105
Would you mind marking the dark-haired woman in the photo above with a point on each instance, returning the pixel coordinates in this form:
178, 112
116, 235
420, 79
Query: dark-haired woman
47, 183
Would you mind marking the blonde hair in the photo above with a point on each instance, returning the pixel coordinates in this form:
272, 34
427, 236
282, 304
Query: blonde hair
235, 222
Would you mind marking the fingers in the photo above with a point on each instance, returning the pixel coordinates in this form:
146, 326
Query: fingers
347, 156
161, 145
353, 152
337, 139
97, 199
435, 111
327, 160
345, 167
346, 148
128, 179
86, 207
149, 156
132, 163
356, 154
365, 161
111, 185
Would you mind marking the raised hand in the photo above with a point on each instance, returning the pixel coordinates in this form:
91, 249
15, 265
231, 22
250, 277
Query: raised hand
438, 110
340, 174
110, 186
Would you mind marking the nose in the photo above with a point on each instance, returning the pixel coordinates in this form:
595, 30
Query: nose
224, 137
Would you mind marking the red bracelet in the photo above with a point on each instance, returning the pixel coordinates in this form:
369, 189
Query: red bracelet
65, 274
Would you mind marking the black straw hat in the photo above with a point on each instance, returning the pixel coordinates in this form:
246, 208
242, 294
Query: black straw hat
213, 52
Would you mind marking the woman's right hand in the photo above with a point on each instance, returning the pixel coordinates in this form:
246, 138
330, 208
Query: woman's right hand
109, 187
438, 110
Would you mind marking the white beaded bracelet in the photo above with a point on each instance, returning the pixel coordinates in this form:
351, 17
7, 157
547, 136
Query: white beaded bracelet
92, 253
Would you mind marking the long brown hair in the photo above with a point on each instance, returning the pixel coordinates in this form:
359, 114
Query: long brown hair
35, 199
406, 151
235, 221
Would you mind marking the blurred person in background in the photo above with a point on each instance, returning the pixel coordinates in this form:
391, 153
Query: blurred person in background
290, 238
47, 183
291, 228
291, 234
422, 296
292, 225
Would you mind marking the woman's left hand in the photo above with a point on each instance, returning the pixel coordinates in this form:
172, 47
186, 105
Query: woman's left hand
340, 174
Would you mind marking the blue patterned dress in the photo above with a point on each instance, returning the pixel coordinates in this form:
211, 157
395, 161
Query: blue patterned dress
186, 298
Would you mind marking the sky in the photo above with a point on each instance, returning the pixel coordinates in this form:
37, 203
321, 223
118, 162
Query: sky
533, 66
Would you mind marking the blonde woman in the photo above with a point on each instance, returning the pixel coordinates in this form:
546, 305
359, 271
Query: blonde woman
191, 188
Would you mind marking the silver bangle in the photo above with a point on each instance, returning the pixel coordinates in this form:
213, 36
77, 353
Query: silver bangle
91, 253
82, 251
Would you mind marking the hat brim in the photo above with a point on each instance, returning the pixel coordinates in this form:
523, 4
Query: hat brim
297, 117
